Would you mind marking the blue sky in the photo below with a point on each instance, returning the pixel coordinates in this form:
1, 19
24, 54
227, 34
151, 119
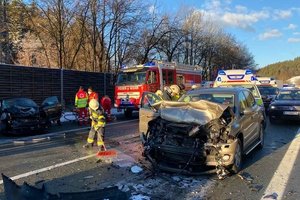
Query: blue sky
269, 28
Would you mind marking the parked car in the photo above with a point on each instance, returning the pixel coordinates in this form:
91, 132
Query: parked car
51, 110
268, 93
286, 106
23, 114
211, 127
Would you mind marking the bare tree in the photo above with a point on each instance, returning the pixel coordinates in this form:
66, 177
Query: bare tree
170, 43
58, 16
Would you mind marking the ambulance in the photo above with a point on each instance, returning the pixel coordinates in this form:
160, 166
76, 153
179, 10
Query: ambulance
234, 75
241, 78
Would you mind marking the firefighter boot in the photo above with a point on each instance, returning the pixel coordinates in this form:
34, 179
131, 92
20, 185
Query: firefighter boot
101, 148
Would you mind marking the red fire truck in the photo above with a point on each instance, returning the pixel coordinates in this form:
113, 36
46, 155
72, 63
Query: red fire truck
133, 81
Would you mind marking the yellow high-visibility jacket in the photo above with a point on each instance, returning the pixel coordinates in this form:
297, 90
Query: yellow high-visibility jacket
98, 119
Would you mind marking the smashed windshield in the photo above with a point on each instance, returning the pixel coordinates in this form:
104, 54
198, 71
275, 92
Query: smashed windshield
133, 77
50, 101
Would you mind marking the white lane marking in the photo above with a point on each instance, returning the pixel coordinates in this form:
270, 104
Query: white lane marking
282, 174
60, 164
49, 168
21, 140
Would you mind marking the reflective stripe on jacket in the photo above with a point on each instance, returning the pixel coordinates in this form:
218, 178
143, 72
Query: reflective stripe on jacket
98, 119
81, 99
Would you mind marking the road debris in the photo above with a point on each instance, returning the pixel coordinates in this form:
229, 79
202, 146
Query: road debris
28, 192
274, 195
246, 176
256, 188
88, 177
136, 169
139, 197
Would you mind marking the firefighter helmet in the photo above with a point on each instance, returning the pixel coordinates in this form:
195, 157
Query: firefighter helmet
159, 93
175, 89
94, 104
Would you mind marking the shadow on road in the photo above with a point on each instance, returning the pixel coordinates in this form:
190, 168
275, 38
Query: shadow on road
276, 136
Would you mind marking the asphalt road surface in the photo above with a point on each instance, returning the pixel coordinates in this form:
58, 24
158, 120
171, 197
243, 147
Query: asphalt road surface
59, 162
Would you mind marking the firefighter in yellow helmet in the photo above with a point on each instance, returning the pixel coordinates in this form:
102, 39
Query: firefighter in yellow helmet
159, 93
175, 92
98, 123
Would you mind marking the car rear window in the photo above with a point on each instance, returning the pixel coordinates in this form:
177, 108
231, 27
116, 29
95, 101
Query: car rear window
289, 95
268, 90
250, 87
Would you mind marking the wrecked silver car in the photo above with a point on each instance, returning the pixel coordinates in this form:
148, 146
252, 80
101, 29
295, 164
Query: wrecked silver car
206, 128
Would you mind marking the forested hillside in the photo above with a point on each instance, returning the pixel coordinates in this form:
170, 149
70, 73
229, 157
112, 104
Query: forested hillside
282, 70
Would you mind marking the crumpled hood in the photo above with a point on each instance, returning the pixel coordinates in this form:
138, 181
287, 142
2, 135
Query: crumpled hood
22, 111
199, 112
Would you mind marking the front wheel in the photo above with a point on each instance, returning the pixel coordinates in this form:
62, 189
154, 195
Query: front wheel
237, 163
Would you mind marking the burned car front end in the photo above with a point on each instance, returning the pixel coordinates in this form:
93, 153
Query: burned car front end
191, 137
19, 114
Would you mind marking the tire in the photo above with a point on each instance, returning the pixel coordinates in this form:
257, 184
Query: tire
238, 155
261, 138
128, 113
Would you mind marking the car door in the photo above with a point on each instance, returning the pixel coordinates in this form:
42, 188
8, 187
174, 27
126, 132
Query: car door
147, 110
255, 116
245, 120
51, 109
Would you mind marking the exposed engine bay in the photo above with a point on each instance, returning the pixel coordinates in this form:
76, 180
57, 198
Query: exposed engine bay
188, 137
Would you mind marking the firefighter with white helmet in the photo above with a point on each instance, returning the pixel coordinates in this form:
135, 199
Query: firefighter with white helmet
97, 126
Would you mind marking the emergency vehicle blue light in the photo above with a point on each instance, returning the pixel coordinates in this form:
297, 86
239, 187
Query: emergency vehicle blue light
221, 72
253, 78
149, 64
248, 71
219, 79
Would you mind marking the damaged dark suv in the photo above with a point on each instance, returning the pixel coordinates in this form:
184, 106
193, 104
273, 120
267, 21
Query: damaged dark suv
207, 128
